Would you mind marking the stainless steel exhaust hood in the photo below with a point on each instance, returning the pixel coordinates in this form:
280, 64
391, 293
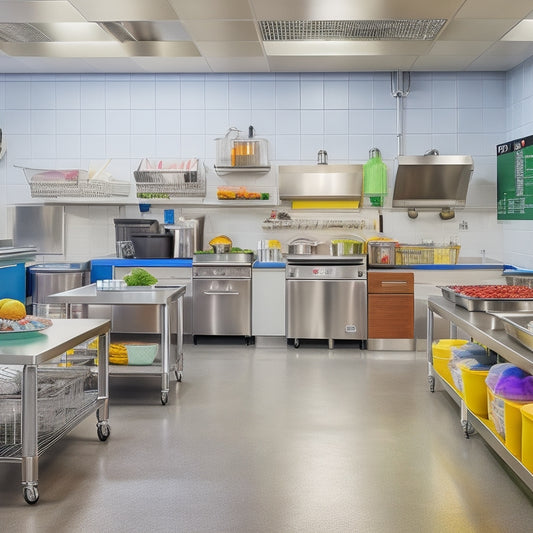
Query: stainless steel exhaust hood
321, 182
432, 181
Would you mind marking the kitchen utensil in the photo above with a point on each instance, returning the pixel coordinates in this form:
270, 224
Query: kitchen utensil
346, 247
221, 248
381, 253
303, 247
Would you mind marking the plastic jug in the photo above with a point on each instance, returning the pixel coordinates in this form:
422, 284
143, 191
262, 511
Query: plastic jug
375, 178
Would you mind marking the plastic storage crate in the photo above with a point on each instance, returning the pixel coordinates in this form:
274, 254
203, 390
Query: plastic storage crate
407, 254
61, 394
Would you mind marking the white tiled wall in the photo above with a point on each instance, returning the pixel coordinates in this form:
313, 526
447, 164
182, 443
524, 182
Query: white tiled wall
518, 235
59, 121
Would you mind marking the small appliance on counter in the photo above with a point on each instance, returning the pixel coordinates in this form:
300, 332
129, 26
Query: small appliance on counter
188, 235
152, 245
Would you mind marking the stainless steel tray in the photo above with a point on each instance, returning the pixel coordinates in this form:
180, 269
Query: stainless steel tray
515, 325
487, 304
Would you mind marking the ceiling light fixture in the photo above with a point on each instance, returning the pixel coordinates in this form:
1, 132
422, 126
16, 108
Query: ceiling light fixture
348, 30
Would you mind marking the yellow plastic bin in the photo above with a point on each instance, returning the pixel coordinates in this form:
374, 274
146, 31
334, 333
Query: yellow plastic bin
442, 353
475, 390
527, 435
507, 417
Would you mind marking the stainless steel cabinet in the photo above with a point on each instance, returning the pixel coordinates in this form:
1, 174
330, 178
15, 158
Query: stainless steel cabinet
222, 307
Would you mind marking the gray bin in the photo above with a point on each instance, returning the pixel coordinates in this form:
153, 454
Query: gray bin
49, 278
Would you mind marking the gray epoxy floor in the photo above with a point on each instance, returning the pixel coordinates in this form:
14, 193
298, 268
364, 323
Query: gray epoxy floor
274, 440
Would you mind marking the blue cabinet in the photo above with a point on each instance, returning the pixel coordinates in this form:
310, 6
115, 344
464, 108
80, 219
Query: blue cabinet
13, 281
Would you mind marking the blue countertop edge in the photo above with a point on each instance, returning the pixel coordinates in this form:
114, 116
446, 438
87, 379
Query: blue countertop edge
116, 261
265, 264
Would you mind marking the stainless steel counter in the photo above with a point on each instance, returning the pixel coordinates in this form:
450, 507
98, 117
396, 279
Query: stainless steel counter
165, 298
31, 352
486, 329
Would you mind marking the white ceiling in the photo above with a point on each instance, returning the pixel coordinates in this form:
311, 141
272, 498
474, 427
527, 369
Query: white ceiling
223, 36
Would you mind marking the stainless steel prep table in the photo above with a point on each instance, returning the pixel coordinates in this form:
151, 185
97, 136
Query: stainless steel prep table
486, 329
165, 298
31, 352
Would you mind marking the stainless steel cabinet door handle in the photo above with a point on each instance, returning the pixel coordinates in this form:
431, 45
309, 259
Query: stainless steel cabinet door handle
222, 293
394, 282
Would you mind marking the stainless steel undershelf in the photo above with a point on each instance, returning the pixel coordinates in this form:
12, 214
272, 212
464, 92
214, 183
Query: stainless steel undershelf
488, 330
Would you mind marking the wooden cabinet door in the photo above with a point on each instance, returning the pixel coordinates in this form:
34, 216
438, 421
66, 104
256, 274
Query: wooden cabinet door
391, 316
391, 282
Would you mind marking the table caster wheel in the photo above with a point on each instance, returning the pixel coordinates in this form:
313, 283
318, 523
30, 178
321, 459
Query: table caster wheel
468, 428
164, 398
431, 381
103, 431
296, 343
179, 376
31, 494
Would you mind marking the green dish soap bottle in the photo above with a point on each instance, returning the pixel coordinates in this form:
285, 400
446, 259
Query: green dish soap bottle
375, 178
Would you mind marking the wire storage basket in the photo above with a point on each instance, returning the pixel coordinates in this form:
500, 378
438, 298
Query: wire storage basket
169, 179
72, 183
426, 254
61, 394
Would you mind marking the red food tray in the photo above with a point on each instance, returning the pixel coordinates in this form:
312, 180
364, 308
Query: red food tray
486, 304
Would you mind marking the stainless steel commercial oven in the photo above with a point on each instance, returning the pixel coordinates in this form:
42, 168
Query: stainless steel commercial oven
222, 295
326, 298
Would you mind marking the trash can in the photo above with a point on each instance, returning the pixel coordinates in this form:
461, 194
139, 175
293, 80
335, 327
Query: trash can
49, 278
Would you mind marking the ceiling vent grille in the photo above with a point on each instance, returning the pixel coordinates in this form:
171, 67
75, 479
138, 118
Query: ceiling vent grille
350, 30
21, 33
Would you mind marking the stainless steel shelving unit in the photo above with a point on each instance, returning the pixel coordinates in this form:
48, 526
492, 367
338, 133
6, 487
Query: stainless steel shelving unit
165, 299
486, 329
31, 354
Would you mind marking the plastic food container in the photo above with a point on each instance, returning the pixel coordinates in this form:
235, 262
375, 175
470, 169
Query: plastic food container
527, 436
381, 253
506, 416
442, 353
475, 389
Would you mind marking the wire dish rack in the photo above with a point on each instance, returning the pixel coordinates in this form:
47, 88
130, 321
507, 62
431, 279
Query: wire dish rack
62, 393
73, 183
169, 179
426, 254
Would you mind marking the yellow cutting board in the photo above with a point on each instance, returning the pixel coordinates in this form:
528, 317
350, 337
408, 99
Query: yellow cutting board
325, 204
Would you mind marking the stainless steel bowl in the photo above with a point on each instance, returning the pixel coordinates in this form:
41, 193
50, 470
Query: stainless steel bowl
221, 248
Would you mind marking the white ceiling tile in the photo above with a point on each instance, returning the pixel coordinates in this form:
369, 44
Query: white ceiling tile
495, 9
161, 49
238, 64
74, 31
476, 30
444, 62
469, 48
39, 11
124, 10
212, 9
229, 49
340, 64
209, 30
521, 32
340, 48
176, 64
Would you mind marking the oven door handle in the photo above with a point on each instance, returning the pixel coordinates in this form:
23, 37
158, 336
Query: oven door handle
222, 293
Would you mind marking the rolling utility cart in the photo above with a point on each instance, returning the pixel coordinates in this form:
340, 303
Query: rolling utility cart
167, 299
40, 401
